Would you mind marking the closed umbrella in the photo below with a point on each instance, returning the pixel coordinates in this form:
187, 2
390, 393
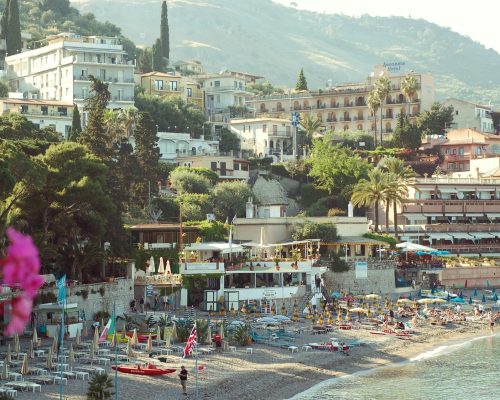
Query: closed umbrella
35, 338
470, 300
78, 338
149, 344
483, 299
174, 331
95, 340
151, 268
85, 332
133, 340
54, 344
5, 371
209, 335
71, 354
50, 364
475, 292
17, 347
168, 270
167, 335
158, 334
31, 353
92, 350
24, 366
495, 297
130, 353
8, 357
161, 266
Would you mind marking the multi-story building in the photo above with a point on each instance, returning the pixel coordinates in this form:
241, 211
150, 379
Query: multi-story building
460, 146
226, 166
471, 115
60, 70
458, 214
43, 113
169, 85
224, 91
344, 107
264, 136
188, 67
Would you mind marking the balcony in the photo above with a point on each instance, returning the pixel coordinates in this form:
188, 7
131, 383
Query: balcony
469, 248
280, 133
45, 114
123, 98
446, 207
457, 157
194, 267
471, 228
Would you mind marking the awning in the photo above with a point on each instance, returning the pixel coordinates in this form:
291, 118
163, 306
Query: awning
440, 236
461, 235
481, 235
496, 234
224, 248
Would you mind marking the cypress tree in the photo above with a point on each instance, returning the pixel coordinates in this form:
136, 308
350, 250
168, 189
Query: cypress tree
3, 21
301, 81
94, 136
164, 32
13, 32
76, 125
157, 56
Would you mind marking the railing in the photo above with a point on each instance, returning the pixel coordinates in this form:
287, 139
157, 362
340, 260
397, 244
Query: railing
123, 98
469, 248
281, 133
47, 114
107, 80
224, 88
470, 228
447, 179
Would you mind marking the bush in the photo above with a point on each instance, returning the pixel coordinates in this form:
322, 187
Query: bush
101, 315
336, 212
202, 171
45, 297
309, 194
213, 231
184, 181
312, 230
169, 207
262, 163
242, 335
382, 238
229, 199
319, 208
338, 264
280, 169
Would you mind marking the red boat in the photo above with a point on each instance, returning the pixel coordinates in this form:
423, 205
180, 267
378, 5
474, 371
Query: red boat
150, 369
142, 337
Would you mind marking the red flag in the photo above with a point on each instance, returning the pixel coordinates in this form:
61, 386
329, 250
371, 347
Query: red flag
465, 286
191, 342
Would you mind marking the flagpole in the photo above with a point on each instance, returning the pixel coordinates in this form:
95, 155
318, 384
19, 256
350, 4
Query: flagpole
116, 351
196, 389
59, 355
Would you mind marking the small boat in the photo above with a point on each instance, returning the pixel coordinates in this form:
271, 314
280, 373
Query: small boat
142, 337
150, 369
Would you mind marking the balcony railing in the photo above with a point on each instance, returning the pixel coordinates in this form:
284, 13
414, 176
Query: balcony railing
282, 133
469, 248
450, 228
46, 114
452, 207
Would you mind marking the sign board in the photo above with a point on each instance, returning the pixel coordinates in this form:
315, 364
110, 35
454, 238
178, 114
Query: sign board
394, 66
361, 270
149, 291
269, 293
61, 292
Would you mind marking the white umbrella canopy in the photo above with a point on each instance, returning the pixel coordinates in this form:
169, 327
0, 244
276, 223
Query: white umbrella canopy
407, 246
149, 344
168, 270
151, 267
5, 371
24, 366
161, 266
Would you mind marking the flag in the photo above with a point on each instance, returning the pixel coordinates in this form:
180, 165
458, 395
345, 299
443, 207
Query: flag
191, 342
61, 293
109, 330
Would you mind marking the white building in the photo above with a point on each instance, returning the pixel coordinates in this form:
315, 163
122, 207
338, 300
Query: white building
173, 145
61, 69
264, 136
471, 115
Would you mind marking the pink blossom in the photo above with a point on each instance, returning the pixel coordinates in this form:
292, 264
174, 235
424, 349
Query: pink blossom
20, 315
22, 264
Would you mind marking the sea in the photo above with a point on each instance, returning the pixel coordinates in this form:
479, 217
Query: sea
459, 371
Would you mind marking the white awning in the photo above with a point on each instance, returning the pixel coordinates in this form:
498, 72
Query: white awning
481, 235
440, 236
224, 248
496, 234
461, 235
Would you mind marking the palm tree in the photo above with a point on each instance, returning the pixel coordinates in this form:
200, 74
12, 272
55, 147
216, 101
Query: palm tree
400, 176
114, 127
127, 118
383, 88
99, 387
373, 102
311, 126
371, 192
409, 86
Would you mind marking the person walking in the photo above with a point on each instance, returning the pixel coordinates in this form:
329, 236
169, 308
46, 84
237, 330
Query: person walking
141, 304
218, 342
491, 320
183, 376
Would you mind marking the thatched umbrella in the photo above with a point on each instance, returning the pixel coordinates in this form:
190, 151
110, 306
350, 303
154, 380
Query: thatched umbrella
31, 353
50, 364
8, 357
71, 354
151, 268
35, 338
95, 340
149, 344
78, 339
134, 340
168, 270
24, 366
5, 371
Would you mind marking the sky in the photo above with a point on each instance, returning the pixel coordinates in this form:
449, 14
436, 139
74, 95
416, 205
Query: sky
475, 19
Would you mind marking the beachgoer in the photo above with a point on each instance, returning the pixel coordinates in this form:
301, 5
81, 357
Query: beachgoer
132, 306
141, 304
165, 302
155, 301
218, 341
183, 376
491, 320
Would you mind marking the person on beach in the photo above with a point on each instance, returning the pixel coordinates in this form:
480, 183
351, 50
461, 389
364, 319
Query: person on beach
218, 341
183, 376
491, 320
141, 304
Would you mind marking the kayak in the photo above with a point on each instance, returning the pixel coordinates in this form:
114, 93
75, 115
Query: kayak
148, 370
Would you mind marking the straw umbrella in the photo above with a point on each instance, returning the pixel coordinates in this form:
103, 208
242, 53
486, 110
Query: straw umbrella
17, 347
35, 338
78, 338
133, 340
31, 353
85, 332
151, 268
71, 354
149, 344
5, 371
24, 366
8, 357
50, 364
167, 334
95, 340
158, 334
161, 266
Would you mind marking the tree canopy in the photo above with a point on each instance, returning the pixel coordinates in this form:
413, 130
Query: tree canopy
312, 230
436, 120
229, 199
301, 81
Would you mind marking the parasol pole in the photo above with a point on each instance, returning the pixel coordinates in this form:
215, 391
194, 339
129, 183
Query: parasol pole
116, 351
197, 392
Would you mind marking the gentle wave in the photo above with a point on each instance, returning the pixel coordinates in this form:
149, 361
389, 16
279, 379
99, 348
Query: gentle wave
446, 349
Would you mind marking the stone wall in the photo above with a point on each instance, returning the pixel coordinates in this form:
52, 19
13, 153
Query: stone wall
381, 278
119, 292
476, 277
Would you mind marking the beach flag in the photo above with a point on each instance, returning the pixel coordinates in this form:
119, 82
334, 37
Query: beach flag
465, 286
108, 331
191, 342
470, 299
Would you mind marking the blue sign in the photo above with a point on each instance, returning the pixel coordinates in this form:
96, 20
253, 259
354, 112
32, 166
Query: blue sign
295, 119
149, 291
61, 286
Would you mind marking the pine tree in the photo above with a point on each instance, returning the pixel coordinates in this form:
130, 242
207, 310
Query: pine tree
164, 31
301, 81
157, 56
147, 154
76, 125
13, 33
3, 21
94, 136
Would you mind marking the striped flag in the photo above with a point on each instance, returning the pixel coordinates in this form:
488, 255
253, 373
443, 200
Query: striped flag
109, 330
191, 342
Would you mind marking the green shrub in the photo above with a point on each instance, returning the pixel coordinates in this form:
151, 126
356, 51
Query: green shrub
338, 263
309, 194
280, 169
242, 335
335, 212
319, 208
312, 230
382, 237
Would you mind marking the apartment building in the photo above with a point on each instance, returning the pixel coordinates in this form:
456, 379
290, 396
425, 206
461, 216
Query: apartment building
471, 115
460, 146
43, 113
188, 67
460, 214
264, 136
173, 145
344, 107
228, 167
170, 85
60, 70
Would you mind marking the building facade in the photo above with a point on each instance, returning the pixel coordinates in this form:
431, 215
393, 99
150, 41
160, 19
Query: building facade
175, 145
227, 167
344, 107
61, 69
471, 115
43, 113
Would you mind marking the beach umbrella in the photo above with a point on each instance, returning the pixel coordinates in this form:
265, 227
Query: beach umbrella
495, 297
35, 338
50, 364
149, 344
95, 340
85, 332
465, 285
151, 268
448, 298
8, 357
494, 290
167, 335
24, 366
158, 333
17, 347
372, 296
358, 310
425, 301
457, 300
31, 353
78, 338
438, 301
405, 301
71, 354
92, 350
134, 339
168, 270
5, 371
475, 292
483, 299
174, 331
470, 299
130, 353
161, 266
54, 344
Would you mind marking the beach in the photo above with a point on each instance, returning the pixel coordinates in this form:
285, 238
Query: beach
273, 372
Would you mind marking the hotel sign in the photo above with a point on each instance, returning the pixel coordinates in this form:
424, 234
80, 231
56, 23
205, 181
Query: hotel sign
394, 66
269, 293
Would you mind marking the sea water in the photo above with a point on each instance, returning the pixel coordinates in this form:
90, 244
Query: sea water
459, 371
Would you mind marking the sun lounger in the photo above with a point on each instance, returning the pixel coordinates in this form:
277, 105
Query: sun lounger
9, 390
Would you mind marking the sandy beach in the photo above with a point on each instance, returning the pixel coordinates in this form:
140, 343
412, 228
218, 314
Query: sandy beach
273, 372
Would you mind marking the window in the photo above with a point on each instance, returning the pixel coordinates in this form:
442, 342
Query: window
217, 99
478, 150
172, 86
217, 83
24, 109
275, 129
456, 112
189, 92
264, 128
158, 84
213, 165
461, 151
67, 91
448, 151
244, 167
45, 110
63, 111
236, 84
454, 152
236, 166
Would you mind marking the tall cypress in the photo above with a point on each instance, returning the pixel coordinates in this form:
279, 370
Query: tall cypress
157, 56
13, 33
3, 21
76, 125
164, 31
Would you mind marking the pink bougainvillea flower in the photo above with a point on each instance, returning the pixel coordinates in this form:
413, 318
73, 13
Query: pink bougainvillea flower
22, 263
20, 315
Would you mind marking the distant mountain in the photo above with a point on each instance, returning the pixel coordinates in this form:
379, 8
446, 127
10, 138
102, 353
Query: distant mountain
274, 41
